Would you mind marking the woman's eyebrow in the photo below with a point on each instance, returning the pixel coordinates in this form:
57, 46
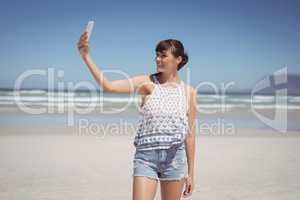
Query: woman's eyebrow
161, 53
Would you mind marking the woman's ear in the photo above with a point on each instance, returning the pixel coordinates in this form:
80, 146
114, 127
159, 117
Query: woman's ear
179, 60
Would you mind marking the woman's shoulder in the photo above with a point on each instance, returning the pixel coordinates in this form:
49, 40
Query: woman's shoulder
148, 77
147, 83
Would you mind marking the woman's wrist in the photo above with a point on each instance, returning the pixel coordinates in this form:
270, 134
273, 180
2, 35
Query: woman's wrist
85, 56
191, 174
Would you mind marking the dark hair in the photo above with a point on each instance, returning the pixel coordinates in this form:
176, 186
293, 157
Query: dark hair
176, 48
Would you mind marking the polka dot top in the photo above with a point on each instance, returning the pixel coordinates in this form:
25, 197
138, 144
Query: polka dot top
163, 121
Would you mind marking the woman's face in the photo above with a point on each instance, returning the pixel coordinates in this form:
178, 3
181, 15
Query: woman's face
166, 62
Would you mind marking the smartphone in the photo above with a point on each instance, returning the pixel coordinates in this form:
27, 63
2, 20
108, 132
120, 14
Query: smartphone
89, 28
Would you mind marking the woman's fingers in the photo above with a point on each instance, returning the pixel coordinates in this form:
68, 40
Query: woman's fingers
188, 188
79, 47
187, 193
84, 34
83, 44
83, 37
83, 40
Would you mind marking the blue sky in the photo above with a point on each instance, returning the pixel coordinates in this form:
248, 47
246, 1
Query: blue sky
239, 41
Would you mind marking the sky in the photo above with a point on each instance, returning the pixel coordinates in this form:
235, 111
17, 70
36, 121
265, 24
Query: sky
227, 41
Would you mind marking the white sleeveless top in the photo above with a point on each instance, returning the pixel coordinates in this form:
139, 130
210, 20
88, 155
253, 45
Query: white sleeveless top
163, 121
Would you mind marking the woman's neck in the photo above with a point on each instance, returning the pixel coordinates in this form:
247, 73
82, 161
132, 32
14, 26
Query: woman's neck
168, 78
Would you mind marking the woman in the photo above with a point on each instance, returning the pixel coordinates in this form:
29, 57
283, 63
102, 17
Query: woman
165, 140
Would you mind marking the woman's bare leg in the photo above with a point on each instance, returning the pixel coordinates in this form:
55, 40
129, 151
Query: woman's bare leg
144, 188
171, 190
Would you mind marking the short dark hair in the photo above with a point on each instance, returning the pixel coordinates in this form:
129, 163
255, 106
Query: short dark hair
176, 48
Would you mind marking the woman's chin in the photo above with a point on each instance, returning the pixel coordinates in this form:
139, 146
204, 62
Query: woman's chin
159, 69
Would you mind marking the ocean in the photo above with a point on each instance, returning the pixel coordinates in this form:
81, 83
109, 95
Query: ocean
239, 109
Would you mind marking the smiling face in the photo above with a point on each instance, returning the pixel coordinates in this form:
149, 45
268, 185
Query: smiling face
166, 61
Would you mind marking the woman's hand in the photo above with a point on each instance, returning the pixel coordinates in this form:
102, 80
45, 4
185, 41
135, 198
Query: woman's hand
189, 186
83, 44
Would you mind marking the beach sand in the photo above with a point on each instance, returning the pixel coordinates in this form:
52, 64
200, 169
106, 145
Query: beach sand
40, 162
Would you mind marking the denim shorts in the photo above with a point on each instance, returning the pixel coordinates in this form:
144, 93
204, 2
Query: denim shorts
161, 164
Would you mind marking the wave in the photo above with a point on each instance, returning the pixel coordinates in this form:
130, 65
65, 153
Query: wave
43, 98
294, 99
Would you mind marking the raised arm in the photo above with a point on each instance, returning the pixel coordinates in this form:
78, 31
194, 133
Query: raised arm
129, 85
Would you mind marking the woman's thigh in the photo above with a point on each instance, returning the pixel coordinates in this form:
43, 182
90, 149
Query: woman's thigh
173, 175
144, 188
171, 190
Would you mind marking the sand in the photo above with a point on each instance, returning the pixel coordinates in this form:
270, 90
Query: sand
56, 163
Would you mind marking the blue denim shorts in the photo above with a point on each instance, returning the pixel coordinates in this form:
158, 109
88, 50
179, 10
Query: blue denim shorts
161, 164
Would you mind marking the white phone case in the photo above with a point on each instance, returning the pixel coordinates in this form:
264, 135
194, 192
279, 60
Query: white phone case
89, 28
